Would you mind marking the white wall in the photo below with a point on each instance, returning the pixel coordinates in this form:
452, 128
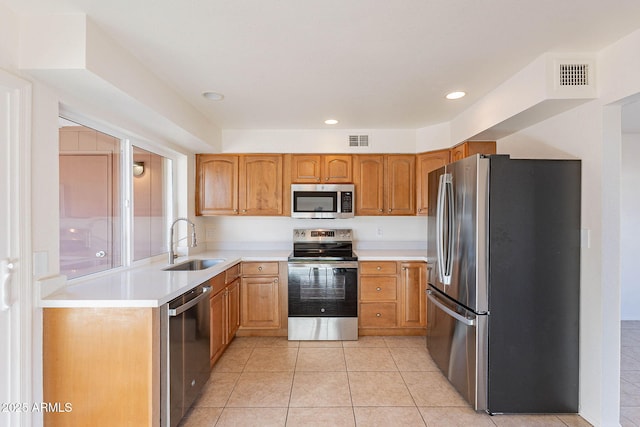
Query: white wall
577, 134
630, 227
317, 141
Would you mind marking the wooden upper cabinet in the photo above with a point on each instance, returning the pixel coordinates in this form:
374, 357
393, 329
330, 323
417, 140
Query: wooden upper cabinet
425, 163
369, 184
239, 184
216, 184
469, 148
400, 187
337, 168
312, 168
385, 184
261, 185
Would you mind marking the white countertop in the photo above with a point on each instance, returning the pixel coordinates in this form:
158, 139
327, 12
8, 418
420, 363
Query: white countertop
150, 286
391, 254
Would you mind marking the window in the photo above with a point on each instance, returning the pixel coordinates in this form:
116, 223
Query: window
150, 182
114, 201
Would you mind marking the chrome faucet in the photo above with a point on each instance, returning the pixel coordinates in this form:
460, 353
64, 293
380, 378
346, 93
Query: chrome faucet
194, 243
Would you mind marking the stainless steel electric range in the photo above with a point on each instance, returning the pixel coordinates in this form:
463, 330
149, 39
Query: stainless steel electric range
323, 285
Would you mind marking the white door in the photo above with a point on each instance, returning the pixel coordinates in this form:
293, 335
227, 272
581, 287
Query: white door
15, 290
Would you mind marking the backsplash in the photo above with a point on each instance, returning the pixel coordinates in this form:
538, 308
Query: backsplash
276, 232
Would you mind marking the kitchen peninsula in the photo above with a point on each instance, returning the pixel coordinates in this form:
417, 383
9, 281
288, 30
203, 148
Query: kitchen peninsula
102, 336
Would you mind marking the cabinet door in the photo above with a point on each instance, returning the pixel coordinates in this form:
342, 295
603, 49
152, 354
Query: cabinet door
400, 184
260, 306
458, 152
218, 325
261, 185
337, 169
413, 303
369, 184
427, 162
469, 148
306, 168
216, 185
233, 309
480, 147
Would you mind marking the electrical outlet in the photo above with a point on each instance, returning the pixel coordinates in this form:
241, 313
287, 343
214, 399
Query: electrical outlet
380, 232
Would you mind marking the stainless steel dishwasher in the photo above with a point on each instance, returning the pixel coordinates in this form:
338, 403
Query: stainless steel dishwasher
185, 329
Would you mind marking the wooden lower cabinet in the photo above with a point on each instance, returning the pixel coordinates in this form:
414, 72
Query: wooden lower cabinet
260, 308
392, 298
413, 298
225, 310
105, 363
263, 299
218, 326
233, 307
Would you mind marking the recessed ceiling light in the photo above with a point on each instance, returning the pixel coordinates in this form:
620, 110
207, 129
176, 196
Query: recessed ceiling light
455, 95
213, 96
331, 122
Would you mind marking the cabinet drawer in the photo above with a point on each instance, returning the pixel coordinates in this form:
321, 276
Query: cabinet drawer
378, 315
217, 284
383, 288
378, 267
232, 273
259, 268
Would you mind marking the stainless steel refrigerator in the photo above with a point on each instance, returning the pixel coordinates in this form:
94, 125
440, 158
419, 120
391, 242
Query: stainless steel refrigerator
504, 287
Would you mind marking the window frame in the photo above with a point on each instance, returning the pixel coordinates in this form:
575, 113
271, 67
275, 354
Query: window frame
125, 180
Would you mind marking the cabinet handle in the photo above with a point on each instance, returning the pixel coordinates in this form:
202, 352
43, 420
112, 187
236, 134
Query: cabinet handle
235, 211
378, 268
326, 179
378, 289
378, 315
389, 211
275, 281
419, 209
404, 268
260, 268
318, 179
244, 211
380, 210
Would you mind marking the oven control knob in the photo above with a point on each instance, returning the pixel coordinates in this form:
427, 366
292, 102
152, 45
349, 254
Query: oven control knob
322, 310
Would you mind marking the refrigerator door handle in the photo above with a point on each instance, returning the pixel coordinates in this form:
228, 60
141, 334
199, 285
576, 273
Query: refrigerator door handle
434, 299
439, 207
444, 241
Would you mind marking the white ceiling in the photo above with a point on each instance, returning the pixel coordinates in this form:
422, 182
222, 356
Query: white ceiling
290, 64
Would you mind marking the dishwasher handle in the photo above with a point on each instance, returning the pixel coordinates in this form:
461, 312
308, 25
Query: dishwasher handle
184, 307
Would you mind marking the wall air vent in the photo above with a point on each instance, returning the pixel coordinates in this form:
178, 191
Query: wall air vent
358, 140
574, 75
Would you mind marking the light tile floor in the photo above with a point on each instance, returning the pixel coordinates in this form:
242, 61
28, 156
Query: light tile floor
630, 374
375, 381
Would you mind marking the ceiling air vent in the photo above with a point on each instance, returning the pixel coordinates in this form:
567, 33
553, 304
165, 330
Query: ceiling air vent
358, 140
574, 75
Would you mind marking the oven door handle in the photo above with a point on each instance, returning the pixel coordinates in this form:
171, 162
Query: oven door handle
184, 307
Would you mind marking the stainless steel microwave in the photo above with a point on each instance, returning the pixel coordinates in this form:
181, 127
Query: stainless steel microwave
322, 201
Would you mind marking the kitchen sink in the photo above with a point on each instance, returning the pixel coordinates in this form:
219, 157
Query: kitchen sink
195, 264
